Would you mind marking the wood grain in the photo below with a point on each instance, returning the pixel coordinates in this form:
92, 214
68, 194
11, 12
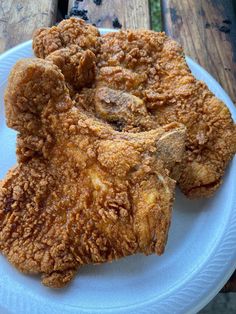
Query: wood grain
130, 13
19, 19
207, 31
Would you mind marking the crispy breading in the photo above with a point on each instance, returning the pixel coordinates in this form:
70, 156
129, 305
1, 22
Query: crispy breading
151, 67
82, 192
68, 32
171, 93
77, 65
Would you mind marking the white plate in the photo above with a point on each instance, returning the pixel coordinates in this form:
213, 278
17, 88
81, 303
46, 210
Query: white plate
199, 258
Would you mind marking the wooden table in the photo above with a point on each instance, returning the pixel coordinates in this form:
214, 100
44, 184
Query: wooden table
206, 30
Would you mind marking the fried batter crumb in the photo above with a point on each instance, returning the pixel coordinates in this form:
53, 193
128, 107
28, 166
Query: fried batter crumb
81, 192
150, 67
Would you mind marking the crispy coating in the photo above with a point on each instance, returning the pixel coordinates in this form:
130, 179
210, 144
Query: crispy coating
151, 67
77, 65
72, 31
171, 93
82, 192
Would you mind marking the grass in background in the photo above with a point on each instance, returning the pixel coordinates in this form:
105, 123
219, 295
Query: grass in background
155, 7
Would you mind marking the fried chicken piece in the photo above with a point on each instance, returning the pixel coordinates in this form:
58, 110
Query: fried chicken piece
68, 32
77, 65
159, 75
82, 192
123, 110
151, 67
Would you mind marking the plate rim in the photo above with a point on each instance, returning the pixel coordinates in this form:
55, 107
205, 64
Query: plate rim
229, 236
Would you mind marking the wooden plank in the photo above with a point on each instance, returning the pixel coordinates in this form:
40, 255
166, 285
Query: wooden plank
130, 13
19, 19
207, 31
231, 284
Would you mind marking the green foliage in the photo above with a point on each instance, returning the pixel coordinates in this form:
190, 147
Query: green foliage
155, 6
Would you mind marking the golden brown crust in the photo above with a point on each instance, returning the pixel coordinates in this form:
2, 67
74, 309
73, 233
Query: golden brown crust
82, 192
66, 33
58, 279
151, 67
171, 93
77, 65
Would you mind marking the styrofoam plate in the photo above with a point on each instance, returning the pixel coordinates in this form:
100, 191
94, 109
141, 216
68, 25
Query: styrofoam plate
200, 255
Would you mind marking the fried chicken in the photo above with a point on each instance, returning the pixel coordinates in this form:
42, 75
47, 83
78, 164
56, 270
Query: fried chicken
81, 192
171, 93
73, 31
143, 82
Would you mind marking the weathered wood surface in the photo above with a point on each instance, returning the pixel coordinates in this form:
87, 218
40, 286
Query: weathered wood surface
130, 13
207, 31
19, 19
